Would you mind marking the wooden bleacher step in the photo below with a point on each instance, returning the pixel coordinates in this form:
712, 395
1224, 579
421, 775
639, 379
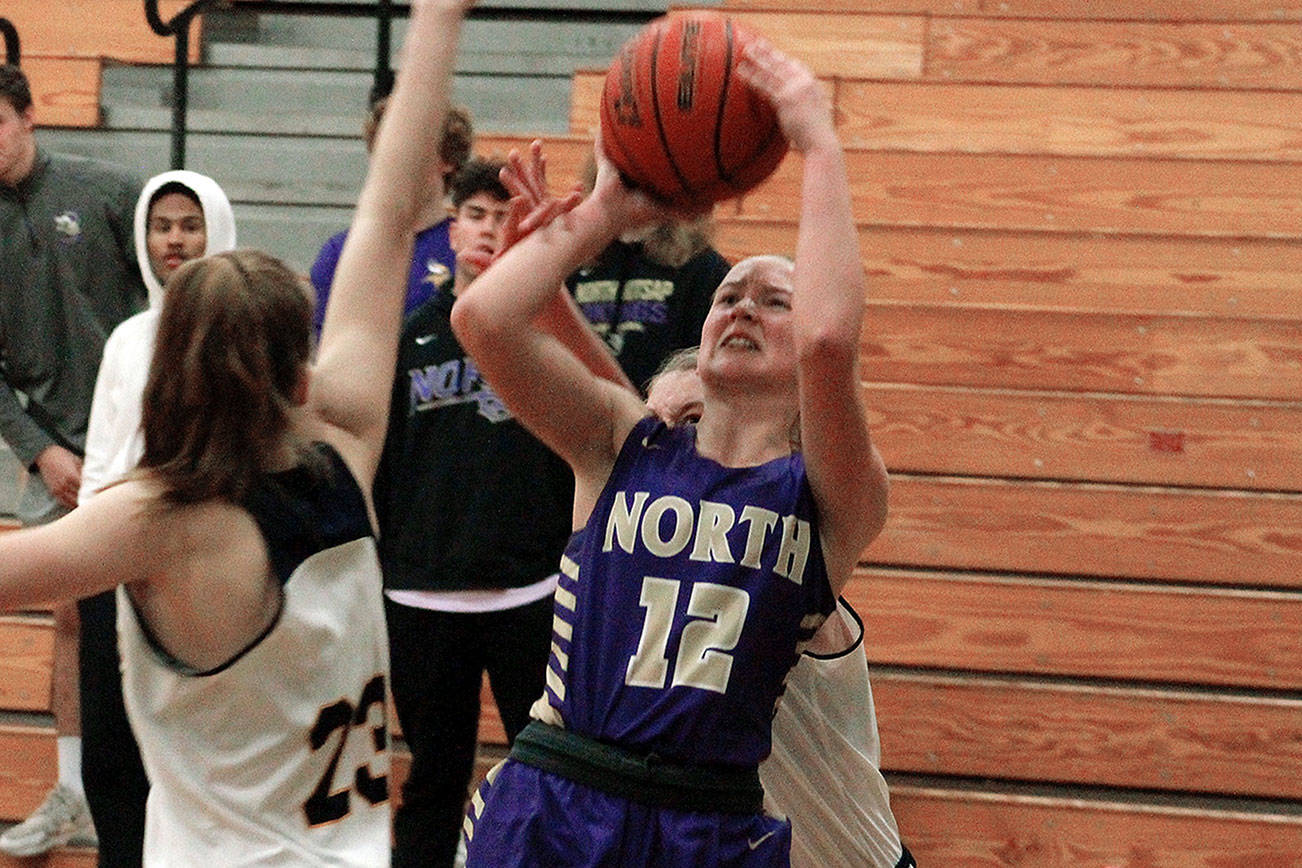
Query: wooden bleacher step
26, 648
29, 767
1089, 529
968, 823
1130, 10
1251, 278
65, 90
1038, 626
114, 29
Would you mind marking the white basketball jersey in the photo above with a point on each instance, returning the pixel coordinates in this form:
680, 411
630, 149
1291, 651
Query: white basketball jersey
823, 771
280, 757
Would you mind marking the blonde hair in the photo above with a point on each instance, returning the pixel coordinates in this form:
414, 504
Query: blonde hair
671, 243
679, 360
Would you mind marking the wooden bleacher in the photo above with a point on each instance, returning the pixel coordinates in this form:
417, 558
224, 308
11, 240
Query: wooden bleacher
113, 29
1082, 226
1083, 364
65, 45
65, 90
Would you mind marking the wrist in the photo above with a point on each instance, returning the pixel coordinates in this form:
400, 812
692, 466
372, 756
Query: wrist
595, 222
824, 158
819, 142
452, 8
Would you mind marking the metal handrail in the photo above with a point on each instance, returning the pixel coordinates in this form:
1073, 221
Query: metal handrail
178, 27
383, 11
494, 12
383, 34
13, 47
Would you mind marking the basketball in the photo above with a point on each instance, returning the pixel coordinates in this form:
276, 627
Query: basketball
676, 119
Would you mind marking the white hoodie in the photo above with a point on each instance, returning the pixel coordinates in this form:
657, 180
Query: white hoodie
114, 439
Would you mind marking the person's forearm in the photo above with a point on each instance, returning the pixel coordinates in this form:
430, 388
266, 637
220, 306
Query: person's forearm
403, 182
518, 288
563, 319
829, 296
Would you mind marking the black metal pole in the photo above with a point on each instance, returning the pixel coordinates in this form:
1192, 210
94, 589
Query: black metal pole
13, 48
369, 9
180, 95
179, 28
383, 46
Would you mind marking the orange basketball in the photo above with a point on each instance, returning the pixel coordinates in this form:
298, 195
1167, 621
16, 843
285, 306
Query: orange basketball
678, 122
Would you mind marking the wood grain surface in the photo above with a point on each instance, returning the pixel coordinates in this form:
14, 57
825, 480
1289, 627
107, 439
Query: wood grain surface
98, 28
1107, 531
1076, 733
1124, 631
1208, 443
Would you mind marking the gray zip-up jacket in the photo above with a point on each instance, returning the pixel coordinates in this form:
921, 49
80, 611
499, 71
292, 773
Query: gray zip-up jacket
68, 276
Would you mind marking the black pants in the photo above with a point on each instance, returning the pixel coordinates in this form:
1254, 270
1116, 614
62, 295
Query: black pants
111, 770
437, 661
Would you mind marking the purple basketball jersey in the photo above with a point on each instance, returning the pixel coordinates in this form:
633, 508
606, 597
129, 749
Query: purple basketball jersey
685, 601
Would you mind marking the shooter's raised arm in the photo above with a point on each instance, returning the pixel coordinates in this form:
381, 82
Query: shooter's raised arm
845, 470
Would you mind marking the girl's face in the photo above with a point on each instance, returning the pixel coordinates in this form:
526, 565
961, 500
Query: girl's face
748, 334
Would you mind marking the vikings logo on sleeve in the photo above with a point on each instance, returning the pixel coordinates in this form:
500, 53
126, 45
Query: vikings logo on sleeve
437, 274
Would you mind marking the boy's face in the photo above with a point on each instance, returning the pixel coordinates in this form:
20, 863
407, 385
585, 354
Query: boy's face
476, 233
17, 143
174, 234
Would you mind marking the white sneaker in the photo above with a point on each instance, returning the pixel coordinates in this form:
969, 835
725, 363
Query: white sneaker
63, 815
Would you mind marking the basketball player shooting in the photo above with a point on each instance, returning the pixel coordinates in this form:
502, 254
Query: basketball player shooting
708, 555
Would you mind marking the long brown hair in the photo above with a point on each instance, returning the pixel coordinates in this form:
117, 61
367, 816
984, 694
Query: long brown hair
234, 335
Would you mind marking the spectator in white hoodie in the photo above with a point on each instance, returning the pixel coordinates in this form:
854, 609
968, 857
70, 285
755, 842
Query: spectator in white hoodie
180, 216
